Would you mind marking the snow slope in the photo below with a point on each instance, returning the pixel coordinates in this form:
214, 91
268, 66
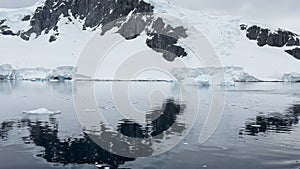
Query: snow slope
229, 41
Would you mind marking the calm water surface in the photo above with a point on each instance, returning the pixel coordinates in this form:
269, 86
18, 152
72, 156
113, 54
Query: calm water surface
259, 127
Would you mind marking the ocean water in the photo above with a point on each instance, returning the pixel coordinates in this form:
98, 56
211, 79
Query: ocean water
257, 128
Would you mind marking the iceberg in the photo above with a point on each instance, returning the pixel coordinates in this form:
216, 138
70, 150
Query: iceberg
227, 81
203, 80
291, 77
42, 111
62, 73
6, 72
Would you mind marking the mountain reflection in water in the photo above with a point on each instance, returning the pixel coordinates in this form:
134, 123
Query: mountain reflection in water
273, 122
158, 121
83, 150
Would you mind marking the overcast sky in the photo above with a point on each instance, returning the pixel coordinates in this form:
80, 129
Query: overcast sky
279, 13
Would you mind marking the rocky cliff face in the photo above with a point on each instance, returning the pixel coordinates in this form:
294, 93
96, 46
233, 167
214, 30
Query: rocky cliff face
93, 12
278, 38
108, 14
5, 30
294, 52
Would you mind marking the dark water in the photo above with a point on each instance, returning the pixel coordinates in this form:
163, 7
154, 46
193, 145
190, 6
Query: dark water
259, 128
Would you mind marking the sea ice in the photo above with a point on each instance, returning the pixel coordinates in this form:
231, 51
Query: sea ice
42, 111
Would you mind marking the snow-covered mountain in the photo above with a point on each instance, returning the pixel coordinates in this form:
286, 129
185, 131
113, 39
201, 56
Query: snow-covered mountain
52, 33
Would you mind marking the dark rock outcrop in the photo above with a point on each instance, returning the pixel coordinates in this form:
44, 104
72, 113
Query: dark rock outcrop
93, 12
243, 26
26, 18
278, 38
108, 14
2, 21
253, 32
25, 36
8, 32
133, 27
4, 27
262, 37
163, 39
294, 52
5, 30
52, 38
166, 45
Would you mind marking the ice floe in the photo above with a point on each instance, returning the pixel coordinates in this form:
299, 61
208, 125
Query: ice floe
42, 111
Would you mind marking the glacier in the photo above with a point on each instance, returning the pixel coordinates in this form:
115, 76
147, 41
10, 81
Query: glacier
33, 74
291, 77
201, 76
62, 73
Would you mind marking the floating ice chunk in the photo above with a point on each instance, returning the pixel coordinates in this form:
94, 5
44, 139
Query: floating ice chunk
62, 73
104, 166
203, 80
104, 108
292, 77
256, 125
90, 110
6, 72
228, 81
42, 111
